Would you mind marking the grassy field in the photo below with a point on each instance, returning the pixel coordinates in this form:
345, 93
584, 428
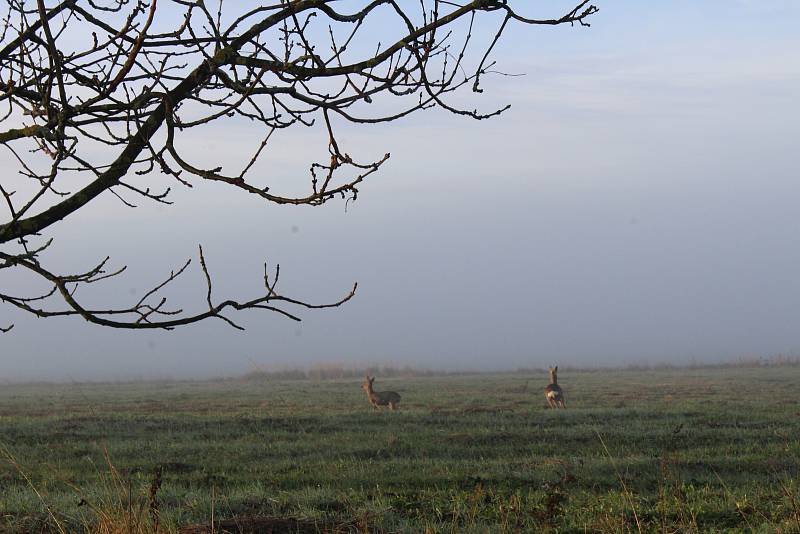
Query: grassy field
695, 450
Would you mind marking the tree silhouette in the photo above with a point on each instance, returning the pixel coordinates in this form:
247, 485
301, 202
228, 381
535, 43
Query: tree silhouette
99, 94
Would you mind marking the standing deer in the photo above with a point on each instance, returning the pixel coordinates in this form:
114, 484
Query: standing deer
380, 398
553, 392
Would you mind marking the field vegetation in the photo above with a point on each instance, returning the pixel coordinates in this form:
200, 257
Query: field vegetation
637, 450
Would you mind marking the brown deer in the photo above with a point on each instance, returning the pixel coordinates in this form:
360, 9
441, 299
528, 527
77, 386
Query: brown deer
380, 398
553, 392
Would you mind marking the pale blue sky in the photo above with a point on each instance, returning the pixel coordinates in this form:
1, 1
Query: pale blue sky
638, 203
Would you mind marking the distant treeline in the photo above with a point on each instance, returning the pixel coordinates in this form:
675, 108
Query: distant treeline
778, 360
339, 371
333, 371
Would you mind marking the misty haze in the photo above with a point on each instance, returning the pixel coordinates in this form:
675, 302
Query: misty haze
609, 188
636, 204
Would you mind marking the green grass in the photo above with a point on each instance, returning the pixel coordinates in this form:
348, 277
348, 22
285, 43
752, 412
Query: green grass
700, 450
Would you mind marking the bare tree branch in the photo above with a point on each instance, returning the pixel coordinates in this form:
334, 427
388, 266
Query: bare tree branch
133, 77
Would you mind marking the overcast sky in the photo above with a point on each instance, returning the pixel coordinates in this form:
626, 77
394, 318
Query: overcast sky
639, 203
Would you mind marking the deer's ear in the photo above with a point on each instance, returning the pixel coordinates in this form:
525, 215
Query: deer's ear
555, 368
